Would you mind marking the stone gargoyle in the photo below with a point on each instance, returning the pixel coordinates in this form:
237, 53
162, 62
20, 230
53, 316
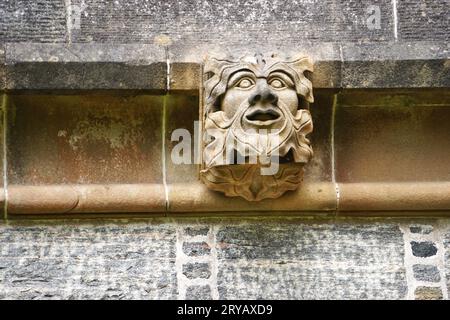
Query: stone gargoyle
255, 120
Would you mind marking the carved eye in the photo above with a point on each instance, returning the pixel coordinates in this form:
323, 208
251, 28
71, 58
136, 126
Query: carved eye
245, 83
277, 84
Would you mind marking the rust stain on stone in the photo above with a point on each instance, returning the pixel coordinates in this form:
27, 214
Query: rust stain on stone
85, 139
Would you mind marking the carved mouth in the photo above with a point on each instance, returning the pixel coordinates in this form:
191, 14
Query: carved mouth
263, 116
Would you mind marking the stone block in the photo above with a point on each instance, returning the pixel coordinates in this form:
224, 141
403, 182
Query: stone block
88, 139
401, 198
423, 20
32, 21
185, 78
194, 249
96, 260
86, 67
392, 136
98, 153
423, 249
196, 231
291, 260
397, 65
3, 103
198, 293
2, 67
197, 270
428, 293
446, 254
236, 21
428, 273
421, 229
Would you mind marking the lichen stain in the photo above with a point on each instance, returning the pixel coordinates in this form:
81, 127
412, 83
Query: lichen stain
117, 133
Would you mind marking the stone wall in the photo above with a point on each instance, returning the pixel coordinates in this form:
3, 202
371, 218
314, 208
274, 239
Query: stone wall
211, 21
226, 258
86, 70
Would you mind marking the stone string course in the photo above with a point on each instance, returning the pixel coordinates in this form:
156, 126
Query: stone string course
224, 258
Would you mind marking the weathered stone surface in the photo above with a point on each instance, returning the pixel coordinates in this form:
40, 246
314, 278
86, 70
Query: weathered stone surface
394, 198
81, 76
192, 30
319, 197
127, 22
80, 260
424, 272
428, 293
85, 198
185, 77
423, 249
88, 139
198, 293
421, 229
236, 21
286, 260
422, 20
378, 135
143, 66
194, 249
377, 138
446, 243
2, 66
431, 49
197, 270
196, 231
365, 65
3, 102
88, 66
97, 142
131, 53
28, 21
396, 65
396, 74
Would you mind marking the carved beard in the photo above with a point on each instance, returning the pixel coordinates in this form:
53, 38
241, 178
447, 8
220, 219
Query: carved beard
245, 179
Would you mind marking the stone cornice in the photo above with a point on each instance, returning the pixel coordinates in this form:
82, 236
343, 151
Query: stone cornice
176, 68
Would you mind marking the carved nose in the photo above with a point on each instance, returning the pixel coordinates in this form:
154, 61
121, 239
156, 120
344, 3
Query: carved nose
264, 96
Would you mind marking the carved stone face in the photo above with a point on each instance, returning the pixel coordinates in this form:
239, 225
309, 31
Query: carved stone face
261, 96
255, 109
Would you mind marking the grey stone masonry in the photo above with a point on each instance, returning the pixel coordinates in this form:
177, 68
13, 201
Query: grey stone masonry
82, 260
249, 258
125, 21
332, 261
423, 272
33, 21
234, 21
425, 259
422, 20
